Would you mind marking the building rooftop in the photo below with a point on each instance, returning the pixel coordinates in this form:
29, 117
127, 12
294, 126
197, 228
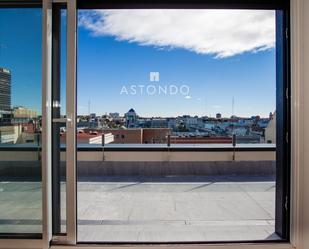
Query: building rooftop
4, 70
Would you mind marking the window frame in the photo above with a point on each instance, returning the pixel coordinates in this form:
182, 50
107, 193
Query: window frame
283, 92
286, 150
21, 4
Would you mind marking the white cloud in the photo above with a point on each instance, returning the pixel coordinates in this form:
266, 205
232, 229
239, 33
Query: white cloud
188, 97
221, 33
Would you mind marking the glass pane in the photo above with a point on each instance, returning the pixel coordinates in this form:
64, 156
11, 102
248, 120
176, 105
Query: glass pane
59, 122
176, 125
63, 114
20, 121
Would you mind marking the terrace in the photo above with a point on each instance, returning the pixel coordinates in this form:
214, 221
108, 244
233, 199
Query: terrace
150, 193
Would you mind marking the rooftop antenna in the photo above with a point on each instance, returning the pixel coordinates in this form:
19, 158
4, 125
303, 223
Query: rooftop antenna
233, 105
233, 132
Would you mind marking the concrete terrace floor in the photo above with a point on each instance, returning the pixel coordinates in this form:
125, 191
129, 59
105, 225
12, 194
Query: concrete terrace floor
161, 209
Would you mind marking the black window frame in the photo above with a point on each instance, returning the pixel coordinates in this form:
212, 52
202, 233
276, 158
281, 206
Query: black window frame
21, 4
283, 92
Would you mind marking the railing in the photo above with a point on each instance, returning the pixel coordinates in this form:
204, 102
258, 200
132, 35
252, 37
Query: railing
150, 152
23, 161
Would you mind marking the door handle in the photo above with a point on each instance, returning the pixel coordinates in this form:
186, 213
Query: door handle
59, 120
63, 120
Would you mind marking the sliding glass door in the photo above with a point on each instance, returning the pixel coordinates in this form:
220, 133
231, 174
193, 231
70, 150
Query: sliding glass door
144, 122
173, 123
63, 97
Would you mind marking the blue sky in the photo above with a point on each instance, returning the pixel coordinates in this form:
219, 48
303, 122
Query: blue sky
108, 61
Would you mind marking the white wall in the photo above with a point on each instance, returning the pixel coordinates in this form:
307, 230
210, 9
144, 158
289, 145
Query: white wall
300, 123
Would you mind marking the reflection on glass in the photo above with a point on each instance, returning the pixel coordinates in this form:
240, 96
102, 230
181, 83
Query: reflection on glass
20, 121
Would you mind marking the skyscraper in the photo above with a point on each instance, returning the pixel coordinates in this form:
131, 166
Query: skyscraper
5, 89
5, 97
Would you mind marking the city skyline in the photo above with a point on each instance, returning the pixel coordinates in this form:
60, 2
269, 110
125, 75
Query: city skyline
213, 115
